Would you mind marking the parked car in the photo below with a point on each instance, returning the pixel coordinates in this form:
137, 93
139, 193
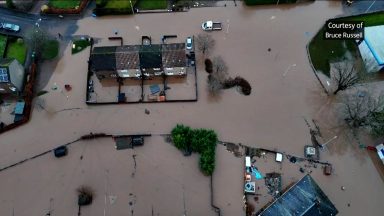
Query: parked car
137, 140
11, 27
189, 43
60, 151
90, 86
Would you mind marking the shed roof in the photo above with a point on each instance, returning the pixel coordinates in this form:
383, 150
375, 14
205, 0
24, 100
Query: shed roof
305, 198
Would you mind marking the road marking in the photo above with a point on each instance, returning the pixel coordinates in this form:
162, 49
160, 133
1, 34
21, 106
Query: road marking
370, 6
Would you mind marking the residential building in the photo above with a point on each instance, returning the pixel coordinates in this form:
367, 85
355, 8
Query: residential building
12, 75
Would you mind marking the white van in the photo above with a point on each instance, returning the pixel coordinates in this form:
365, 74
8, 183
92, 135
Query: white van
380, 152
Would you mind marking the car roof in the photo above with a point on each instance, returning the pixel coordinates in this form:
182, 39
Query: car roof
380, 151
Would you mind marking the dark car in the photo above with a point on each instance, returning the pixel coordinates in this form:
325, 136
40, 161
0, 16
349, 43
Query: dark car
137, 140
61, 151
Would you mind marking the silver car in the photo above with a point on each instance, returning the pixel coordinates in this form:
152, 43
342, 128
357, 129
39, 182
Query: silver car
11, 27
188, 43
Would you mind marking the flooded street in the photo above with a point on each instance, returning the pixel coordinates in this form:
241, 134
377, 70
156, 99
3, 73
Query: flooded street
284, 92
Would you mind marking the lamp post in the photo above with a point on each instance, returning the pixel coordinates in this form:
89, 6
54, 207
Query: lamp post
325, 144
288, 68
133, 12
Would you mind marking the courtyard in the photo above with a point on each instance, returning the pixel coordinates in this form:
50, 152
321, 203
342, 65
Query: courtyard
259, 44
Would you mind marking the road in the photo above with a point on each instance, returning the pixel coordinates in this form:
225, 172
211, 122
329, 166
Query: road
363, 6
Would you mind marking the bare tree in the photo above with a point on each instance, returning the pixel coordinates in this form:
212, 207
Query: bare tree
218, 76
214, 85
204, 42
360, 107
345, 75
36, 38
220, 69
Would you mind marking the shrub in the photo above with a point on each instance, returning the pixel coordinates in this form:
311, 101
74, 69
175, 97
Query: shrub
85, 196
245, 86
238, 81
207, 162
181, 136
10, 4
201, 141
208, 65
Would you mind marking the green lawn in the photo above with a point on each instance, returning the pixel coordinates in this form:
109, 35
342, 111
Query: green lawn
64, 4
79, 45
51, 49
17, 50
119, 4
323, 51
3, 43
372, 19
151, 4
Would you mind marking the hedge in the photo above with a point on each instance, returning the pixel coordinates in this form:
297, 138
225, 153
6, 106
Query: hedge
201, 141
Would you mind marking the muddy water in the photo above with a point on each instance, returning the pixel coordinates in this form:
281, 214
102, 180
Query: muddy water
284, 90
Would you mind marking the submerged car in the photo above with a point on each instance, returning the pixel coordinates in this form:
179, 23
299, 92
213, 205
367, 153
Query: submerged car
189, 43
11, 27
60, 151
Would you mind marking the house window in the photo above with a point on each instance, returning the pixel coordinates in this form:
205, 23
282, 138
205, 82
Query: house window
3, 75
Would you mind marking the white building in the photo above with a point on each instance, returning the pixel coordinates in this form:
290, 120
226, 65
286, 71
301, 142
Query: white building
372, 48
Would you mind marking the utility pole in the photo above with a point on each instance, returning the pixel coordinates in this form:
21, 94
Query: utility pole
133, 11
325, 144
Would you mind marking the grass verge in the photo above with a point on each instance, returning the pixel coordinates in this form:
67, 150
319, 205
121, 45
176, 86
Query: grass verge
17, 49
51, 50
64, 4
151, 4
3, 44
79, 45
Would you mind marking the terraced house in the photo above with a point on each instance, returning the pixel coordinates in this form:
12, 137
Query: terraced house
137, 61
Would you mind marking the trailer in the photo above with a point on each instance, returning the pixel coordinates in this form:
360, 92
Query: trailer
211, 26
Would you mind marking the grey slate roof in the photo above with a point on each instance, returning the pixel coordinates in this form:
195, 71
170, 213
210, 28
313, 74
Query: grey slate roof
305, 198
125, 57
150, 56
